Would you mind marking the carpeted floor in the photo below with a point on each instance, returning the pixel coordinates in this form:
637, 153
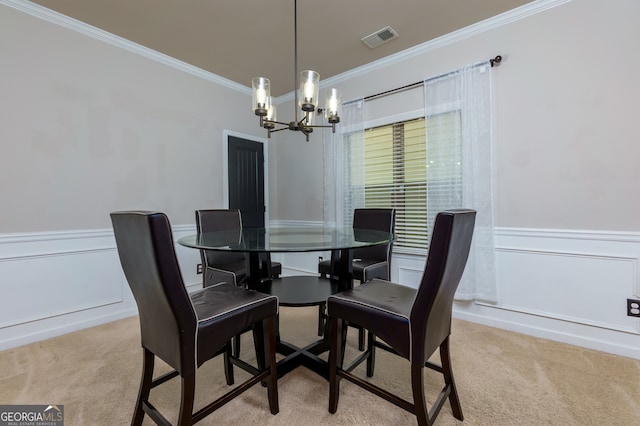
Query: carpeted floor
503, 378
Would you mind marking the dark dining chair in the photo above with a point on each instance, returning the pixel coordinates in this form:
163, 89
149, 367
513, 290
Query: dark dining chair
227, 266
411, 323
185, 330
222, 266
368, 262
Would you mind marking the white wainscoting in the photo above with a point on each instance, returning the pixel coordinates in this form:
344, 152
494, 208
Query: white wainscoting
57, 282
568, 286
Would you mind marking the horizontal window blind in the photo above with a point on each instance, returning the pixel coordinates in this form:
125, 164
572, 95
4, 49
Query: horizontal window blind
395, 177
401, 162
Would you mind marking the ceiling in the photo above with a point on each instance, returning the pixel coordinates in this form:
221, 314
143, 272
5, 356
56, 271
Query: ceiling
242, 39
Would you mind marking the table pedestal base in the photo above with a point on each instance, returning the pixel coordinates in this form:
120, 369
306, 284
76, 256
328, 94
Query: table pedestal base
298, 291
307, 357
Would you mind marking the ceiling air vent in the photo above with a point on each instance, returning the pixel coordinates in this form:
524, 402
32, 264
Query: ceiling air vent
380, 37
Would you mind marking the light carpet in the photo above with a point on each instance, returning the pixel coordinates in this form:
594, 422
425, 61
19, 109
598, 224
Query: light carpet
503, 378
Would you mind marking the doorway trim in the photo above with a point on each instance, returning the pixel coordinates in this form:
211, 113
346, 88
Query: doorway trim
225, 167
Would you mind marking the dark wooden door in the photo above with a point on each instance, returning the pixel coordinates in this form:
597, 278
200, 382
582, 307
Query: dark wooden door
246, 180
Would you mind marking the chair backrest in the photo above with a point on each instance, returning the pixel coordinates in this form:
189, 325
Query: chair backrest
167, 320
448, 253
213, 220
378, 220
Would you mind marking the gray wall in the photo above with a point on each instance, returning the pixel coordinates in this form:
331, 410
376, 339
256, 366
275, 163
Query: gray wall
87, 128
566, 146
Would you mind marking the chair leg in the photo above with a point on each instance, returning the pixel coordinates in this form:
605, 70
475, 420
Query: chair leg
371, 359
258, 343
277, 328
343, 341
186, 404
228, 366
445, 359
321, 318
269, 344
417, 386
236, 346
360, 338
145, 386
335, 361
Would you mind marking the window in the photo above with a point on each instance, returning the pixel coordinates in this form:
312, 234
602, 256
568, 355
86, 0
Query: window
422, 152
404, 160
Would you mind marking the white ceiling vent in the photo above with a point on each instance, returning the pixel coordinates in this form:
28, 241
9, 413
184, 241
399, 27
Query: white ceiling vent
380, 37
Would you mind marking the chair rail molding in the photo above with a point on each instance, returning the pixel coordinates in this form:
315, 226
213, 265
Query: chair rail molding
564, 285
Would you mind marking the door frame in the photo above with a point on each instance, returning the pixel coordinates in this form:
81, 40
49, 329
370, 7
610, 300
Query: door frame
225, 167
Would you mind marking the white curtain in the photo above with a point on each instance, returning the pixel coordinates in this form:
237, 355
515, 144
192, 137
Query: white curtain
465, 97
459, 166
344, 166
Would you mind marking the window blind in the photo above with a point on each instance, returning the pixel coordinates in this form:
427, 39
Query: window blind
404, 161
395, 177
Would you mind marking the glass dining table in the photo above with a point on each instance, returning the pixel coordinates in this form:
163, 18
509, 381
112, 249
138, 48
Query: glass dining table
299, 290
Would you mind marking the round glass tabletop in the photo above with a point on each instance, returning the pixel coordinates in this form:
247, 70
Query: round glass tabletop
287, 239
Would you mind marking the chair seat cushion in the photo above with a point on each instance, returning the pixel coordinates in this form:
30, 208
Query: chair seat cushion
368, 269
222, 271
223, 311
379, 306
363, 269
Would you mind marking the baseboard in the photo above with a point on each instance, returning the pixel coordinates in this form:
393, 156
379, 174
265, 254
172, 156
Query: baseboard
563, 285
23, 334
569, 286
602, 340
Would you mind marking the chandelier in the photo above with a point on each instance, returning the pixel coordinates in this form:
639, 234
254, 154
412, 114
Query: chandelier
306, 98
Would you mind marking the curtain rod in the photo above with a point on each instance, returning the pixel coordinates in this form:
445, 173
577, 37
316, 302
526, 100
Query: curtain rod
495, 61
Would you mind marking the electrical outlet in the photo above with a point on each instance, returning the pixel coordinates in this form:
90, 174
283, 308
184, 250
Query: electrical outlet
199, 268
633, 308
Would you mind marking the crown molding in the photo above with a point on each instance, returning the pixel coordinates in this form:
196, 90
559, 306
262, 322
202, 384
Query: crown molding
464, 33
505, 18
96, 33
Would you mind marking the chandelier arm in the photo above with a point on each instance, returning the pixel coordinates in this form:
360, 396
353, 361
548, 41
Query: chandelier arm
301, 121
278, 130
306, 133
277, 122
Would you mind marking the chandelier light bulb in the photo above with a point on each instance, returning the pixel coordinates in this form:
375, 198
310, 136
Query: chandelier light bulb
309, 85
271, 110
333, 106
261, 92
308, 92
261, 97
